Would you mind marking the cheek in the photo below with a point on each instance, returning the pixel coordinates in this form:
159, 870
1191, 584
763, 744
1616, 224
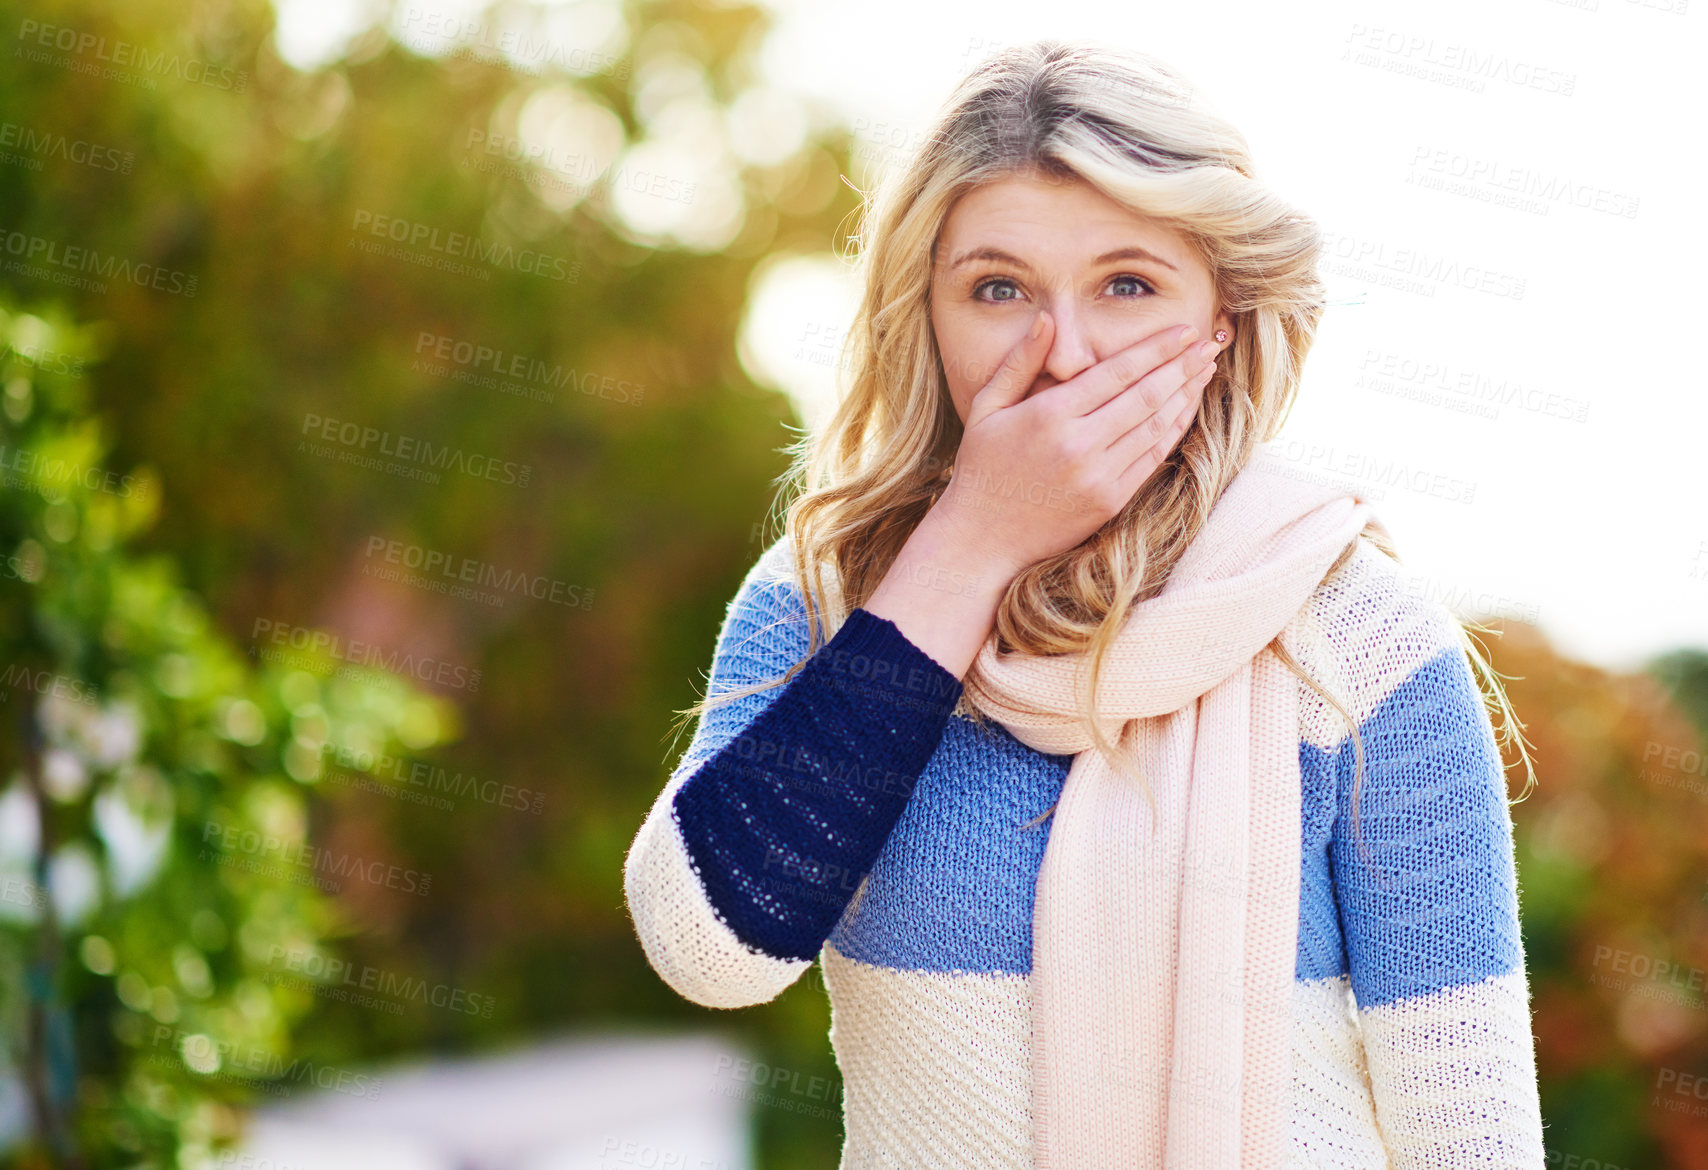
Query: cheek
971, 353
954, 351
960, 398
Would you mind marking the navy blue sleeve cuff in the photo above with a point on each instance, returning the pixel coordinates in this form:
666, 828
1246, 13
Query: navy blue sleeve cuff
785, 821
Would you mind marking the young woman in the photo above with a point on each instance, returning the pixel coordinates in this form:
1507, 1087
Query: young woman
1247, 899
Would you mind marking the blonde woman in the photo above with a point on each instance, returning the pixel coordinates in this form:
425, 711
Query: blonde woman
1136, 811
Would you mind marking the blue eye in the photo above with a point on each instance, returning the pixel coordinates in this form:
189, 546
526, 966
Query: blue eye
984, 284
997, 281
1125, 278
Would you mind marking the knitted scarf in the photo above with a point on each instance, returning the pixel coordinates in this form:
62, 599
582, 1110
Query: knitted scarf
1163, 963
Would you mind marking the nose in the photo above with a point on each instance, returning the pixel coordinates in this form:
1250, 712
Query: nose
1070, 349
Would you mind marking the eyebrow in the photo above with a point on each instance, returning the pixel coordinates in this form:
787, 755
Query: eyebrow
1127, 253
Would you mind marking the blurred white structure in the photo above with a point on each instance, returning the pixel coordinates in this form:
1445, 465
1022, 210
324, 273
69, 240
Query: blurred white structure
596, 1103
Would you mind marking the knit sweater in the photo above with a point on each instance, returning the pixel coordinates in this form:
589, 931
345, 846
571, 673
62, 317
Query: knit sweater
856, 815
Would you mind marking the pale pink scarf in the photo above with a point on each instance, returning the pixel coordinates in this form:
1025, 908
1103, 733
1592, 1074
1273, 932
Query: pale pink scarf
1163, 967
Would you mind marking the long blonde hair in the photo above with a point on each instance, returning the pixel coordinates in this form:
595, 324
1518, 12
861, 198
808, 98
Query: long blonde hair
1133, 128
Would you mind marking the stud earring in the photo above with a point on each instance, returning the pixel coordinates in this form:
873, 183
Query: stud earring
1221, 335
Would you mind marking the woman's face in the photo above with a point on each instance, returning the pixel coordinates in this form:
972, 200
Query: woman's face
1107, 276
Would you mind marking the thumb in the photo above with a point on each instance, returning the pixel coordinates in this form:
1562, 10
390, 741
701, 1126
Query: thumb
1018, 370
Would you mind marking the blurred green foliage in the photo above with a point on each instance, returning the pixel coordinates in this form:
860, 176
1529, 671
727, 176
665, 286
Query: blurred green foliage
156, 823
255, 204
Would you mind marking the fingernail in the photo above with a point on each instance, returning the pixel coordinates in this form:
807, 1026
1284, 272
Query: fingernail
1189, 336
1037, 324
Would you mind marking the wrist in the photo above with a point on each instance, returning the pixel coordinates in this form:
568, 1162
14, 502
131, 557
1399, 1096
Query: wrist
949, 536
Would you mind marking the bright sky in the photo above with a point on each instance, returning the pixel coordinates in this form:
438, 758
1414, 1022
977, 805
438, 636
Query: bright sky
1593, 527
1538, 455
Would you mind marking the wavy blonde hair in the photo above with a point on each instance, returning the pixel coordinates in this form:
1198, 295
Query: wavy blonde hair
1132, 127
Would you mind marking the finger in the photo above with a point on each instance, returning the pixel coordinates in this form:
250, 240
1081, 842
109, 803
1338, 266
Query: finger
1091, 389
1148, 445
1153, 425
1017, 371
1135, 404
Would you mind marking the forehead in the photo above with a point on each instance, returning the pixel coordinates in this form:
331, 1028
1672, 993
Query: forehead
1042, 219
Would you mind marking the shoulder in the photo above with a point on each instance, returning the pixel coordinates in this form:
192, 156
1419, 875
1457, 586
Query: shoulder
770, 581
765, 622
1364, 632
776, 563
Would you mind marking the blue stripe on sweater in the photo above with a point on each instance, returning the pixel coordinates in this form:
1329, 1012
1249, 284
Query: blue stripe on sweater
1322, 949
953, 888
1431, 901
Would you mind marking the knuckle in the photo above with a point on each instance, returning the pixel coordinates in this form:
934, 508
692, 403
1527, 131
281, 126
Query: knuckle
1127, 367
1047, 414
1087, 482
1075, 446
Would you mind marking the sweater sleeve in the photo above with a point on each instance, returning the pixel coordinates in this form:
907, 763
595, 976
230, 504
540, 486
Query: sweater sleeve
765, 829
1429, 905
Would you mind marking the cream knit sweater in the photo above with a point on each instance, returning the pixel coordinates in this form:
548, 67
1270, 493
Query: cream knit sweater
911, 878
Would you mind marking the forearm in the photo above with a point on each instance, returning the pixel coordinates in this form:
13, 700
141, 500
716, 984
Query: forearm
785, 820
942, 592
1454, 1076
